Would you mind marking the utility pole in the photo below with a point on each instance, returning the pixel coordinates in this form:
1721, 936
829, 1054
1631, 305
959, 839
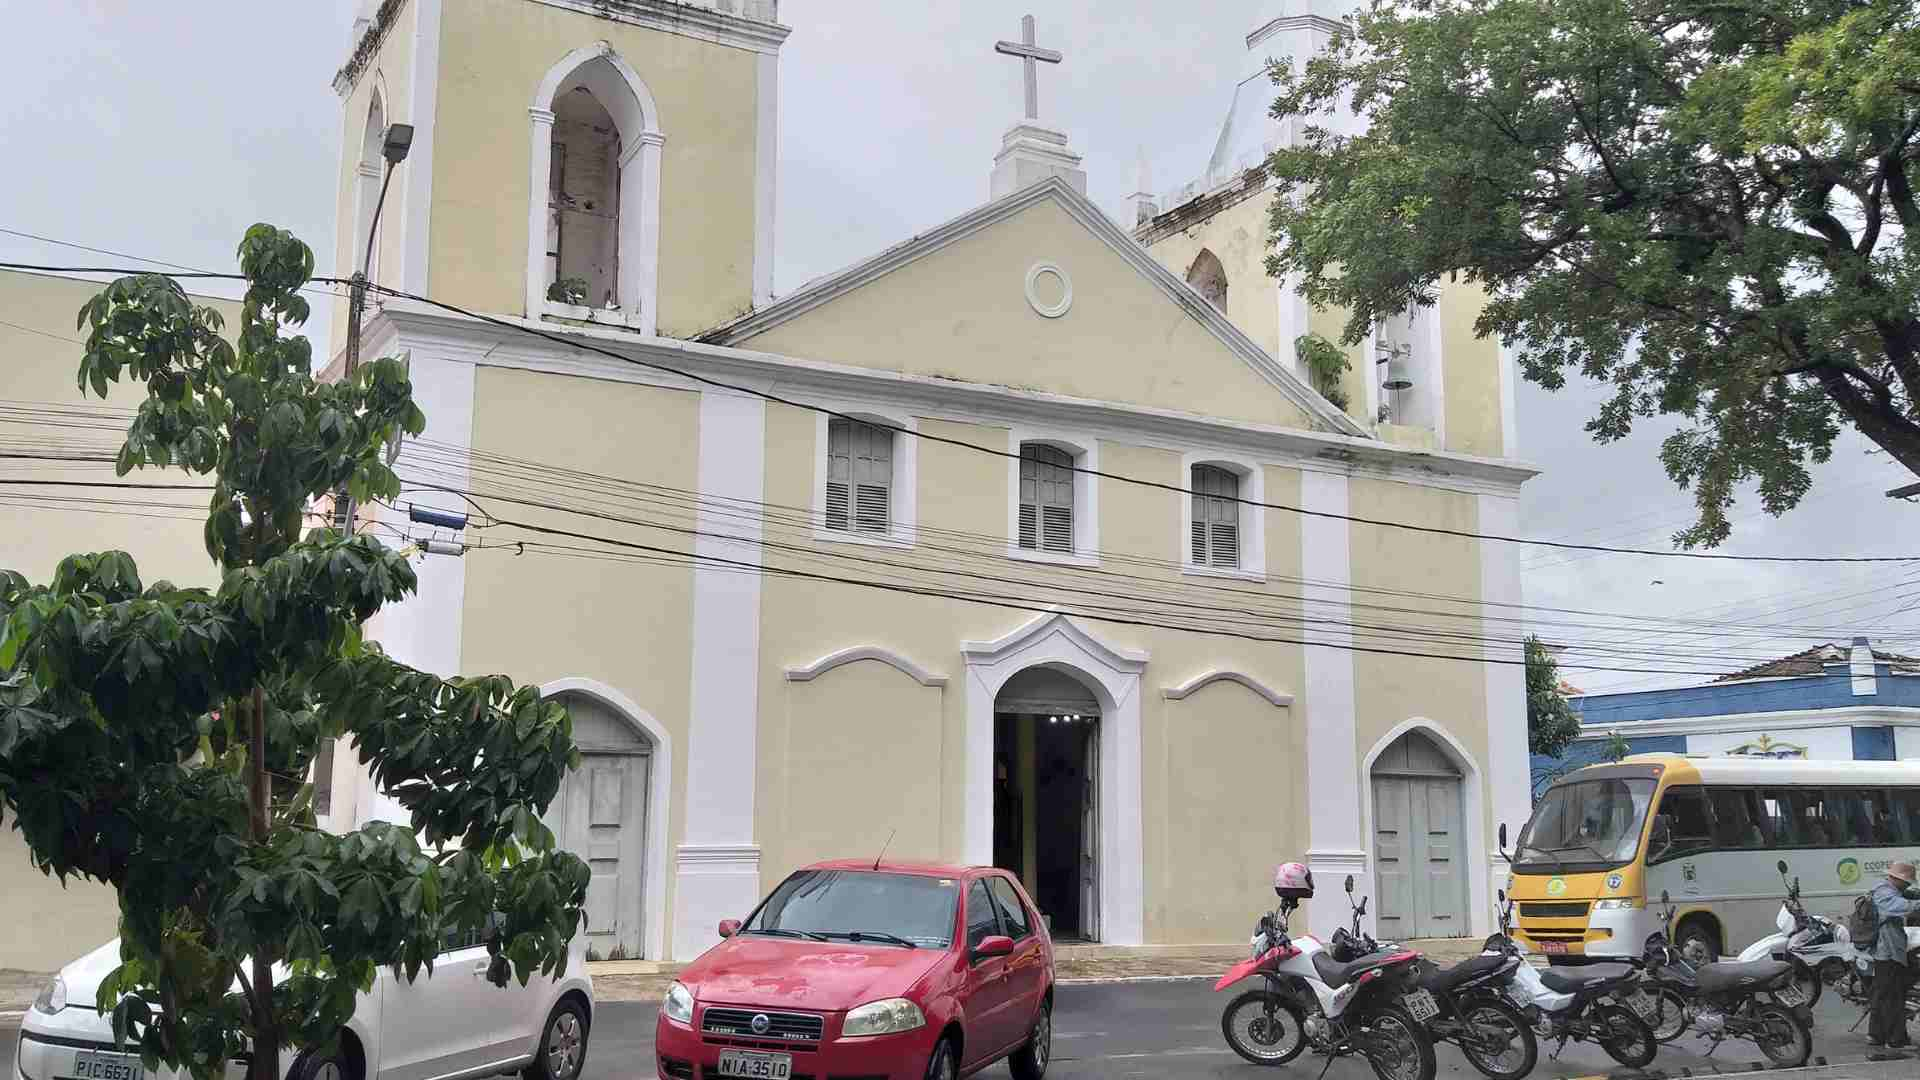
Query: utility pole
399, 140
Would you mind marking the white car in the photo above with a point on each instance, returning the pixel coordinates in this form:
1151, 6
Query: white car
453, 1023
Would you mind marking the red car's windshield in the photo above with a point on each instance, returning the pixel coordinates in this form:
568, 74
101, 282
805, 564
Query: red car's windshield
858, 905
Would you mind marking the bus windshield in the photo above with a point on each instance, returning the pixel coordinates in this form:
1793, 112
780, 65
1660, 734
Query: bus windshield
1585, 822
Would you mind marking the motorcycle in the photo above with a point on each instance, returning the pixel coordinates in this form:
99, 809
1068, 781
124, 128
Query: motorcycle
1756, 1000
1578, 1003
1370, 1005
1472, 1014
1857, 986
1817, 947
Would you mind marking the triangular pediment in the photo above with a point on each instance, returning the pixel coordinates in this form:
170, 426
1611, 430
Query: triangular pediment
1038, 291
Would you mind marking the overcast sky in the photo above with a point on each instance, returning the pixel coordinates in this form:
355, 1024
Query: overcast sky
163, 130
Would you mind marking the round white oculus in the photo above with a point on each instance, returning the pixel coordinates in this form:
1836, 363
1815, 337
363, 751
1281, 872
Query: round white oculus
1049, 290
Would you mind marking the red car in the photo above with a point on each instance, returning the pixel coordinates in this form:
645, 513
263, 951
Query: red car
868, 971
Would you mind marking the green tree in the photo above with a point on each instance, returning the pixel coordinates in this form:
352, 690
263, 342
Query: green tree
1551, 723
1617, 747
1708, 206
152, 737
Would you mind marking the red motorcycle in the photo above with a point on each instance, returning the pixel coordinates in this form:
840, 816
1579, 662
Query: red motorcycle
1372, 1006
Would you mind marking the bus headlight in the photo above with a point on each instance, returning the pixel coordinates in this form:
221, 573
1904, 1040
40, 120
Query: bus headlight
1619, 903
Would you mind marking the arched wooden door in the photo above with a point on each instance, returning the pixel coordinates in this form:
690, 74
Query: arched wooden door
601, 816
1419, 842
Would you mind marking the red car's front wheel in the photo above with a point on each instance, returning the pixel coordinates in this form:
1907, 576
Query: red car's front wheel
942, 1066
1030, 1061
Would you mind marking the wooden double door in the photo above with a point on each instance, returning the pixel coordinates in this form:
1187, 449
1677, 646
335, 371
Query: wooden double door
1419, 850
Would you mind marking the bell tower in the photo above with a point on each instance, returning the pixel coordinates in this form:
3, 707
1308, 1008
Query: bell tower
601, 162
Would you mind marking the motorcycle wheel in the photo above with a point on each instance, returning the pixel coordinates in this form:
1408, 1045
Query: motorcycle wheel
1807, 981
1833, 971
1502, 1045
1673, 1016
1263, 1027
1629, 1040
1782, 1036
1398, 1047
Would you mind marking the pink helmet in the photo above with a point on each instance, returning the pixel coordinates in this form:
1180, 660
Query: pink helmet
1293, 881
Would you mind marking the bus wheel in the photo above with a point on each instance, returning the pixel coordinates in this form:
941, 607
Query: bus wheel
1697, 941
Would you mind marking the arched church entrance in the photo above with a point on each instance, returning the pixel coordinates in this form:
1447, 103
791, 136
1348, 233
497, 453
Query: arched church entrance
600, 815
1046, 755
1419, 842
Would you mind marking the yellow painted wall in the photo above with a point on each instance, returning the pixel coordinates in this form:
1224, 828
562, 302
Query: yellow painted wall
390, 69
1123, 340
1472, 375
1237, 236
47, 925
1391, 689
539, 617
493, 55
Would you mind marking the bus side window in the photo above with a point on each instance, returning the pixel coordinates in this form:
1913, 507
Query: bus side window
1906, 815
1810, 817
1736, 818
1783, 821
1688, 819
1876, 825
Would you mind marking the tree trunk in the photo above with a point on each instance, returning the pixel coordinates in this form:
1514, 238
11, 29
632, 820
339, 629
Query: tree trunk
266, 1033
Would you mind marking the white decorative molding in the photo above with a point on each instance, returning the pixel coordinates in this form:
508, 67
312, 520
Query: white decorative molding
1509, 782
1112, 674
631, 105
766, 155
1333, 783
1253, 517
686, 20
1208, 678
903, 509
1473, 812
928, 397
1861, 669
810, 672
653, 887
1057, 308
1096, 222
718, 854
1086, 495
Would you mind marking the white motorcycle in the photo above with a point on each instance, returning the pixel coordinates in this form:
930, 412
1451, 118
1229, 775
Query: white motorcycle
1818, 947
1580, 1003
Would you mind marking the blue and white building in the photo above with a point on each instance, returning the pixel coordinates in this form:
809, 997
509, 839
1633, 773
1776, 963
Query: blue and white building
1831, 703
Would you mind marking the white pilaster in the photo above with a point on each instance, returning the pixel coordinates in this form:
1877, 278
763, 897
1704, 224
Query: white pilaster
1860, 668
1335, 845
540, 153
1508, 764
418, 205
1029, 154
765, 160
718, 861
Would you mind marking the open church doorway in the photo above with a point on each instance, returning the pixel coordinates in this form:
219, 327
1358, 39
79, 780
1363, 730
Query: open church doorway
1046, 752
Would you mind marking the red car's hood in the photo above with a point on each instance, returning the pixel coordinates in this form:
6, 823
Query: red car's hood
779, 973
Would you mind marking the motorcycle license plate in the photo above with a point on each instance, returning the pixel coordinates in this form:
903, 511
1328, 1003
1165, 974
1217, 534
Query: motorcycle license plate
1645, 1004
1421, 1004
1789, 995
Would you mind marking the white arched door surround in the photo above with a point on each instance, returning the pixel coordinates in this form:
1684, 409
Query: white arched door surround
619, 90
659, 789
1113, 676
1473, 815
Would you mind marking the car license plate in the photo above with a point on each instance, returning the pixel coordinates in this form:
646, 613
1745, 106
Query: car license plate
1789, 995
1553, 946
1421, 1004
756, 1066
99, 1065
1645, 1004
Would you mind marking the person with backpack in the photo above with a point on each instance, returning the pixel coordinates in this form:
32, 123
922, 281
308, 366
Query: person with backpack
1888, 943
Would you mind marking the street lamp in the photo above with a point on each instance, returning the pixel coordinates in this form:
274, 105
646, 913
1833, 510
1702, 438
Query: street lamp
399, 139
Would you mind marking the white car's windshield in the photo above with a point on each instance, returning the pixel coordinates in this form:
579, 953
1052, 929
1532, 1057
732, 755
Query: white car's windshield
1585, 821
861, 906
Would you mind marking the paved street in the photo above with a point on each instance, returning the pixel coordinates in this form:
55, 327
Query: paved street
1172, 1030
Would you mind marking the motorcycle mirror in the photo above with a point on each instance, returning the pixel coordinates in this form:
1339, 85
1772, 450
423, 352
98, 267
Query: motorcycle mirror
1782, 867
1349, 882
1503, 896
1664, 898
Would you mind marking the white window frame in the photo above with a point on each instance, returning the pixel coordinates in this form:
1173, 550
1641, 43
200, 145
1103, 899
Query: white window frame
628, 101
903, 529
1253, 518
1085, 450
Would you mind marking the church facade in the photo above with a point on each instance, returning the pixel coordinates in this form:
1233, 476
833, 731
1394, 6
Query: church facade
1074, 571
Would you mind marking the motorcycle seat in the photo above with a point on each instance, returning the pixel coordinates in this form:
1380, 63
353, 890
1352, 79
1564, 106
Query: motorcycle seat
1337, 975
1441, 980
1734, 975
1564, 980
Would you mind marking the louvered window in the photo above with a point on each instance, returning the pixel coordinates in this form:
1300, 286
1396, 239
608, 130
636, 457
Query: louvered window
1216, 517
1046, 498
859, 477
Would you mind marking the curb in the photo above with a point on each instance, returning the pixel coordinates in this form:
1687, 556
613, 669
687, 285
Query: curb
1119, 980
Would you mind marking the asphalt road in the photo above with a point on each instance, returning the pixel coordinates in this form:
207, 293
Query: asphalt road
1172, 1031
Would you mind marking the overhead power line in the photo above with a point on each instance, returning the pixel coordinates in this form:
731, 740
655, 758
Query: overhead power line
1178, 489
